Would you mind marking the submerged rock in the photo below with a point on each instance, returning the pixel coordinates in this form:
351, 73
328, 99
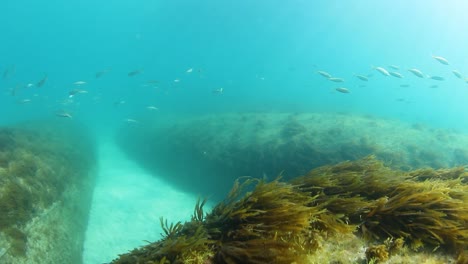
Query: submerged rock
46, 184
206, 154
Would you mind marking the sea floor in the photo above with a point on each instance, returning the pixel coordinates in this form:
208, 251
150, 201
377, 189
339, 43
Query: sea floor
126, 207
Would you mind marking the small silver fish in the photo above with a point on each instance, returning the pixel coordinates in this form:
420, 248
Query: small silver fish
120, 102
152, 108
80, 83
42, 81
99, 74
394, 67
396, 74
24, 101
441, 59
134, 72
382, 71
334, 79
342, 90
189, 70
434, 86
218, 91
324, 74
362, 78
63, 114
130, 120
457, 74
416, 72
75, 92
404, 85
437, 78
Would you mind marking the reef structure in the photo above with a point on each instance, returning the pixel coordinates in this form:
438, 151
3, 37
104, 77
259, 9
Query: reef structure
46, 183
205, 154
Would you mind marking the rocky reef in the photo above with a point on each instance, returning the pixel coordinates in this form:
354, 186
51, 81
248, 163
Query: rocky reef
205, 154
46, 181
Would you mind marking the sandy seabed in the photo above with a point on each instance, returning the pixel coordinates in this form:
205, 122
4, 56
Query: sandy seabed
126, 207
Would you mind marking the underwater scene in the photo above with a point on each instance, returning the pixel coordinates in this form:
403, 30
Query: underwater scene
230, 132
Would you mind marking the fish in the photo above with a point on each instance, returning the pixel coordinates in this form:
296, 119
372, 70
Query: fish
416, 72
342, 90
189, 70
134, 72
29, 85
396, 74
152, 108
42, 81
382, 71
434, 86
99, 74
362, 78
394, 67
334, 79
441, 59
218, 91
80, 83
9, 71
75, 92
437, 78
63, 114
324, 74
6, 73
176, 80
457, 74
404, 85
24, 101
130, 120
120, 102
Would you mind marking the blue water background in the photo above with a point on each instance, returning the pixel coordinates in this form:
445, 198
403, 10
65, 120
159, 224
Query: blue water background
265, 54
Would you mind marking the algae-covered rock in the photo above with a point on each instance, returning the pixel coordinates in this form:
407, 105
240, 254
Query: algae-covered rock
46, 181
206, 154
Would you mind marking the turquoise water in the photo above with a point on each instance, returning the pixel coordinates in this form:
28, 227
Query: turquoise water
265, 54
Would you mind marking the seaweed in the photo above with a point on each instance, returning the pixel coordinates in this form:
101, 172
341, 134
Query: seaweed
270, 224
15, 205
431, 212
282, 222
18, 241
426, 207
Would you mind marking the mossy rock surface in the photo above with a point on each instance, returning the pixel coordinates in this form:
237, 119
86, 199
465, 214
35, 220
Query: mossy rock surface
205, 154
46, 181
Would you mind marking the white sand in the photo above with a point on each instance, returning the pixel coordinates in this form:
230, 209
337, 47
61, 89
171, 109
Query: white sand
126, 207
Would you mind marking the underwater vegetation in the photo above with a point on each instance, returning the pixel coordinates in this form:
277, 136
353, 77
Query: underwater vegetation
39, 166
259, 144
267, 225
396, 214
